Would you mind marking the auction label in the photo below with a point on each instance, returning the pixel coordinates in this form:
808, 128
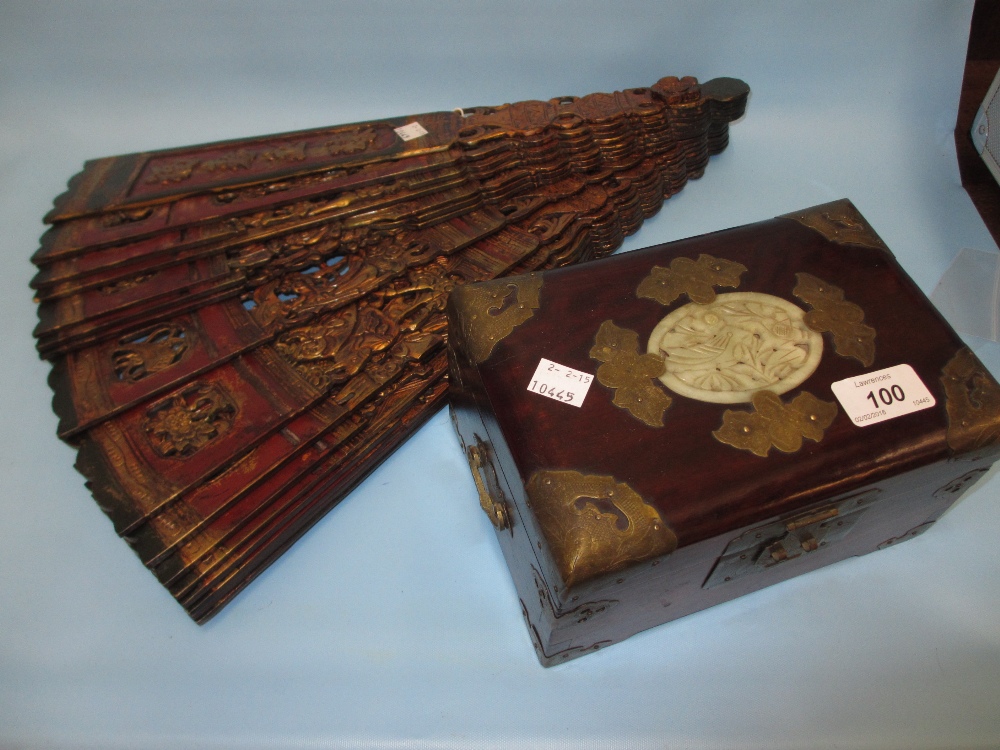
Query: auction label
886, 394
560, 382
411, 131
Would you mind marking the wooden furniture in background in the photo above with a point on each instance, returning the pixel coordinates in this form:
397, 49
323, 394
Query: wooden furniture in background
981, 67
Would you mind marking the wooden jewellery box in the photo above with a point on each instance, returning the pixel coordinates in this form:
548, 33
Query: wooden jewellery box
671, 428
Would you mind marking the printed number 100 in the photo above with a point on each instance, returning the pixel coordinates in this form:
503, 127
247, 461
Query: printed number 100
886, 396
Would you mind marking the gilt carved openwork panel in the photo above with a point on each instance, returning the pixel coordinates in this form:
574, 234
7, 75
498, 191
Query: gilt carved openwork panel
185, 422
264, 320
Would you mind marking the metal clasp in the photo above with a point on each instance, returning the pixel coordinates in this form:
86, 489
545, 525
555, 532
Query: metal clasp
775, 543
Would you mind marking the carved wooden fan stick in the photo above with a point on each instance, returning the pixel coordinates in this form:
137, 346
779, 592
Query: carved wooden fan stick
241, 331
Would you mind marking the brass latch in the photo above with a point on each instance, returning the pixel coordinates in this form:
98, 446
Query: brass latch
775, 543
484, 474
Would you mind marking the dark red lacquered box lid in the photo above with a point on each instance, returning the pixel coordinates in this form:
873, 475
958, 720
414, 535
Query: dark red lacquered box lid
709, 467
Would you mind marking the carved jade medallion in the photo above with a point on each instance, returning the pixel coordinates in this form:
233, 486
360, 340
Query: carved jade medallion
725, 351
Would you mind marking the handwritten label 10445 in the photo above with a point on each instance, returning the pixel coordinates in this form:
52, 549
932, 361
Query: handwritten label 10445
560, 382
885, 394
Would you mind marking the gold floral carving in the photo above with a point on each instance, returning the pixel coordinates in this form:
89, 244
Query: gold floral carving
173, 170
774, 423
696, 279
149, 352
295, 151
186, 421
491, 311
972, 400
831, 313
631, 374
231, 161
594, 524
840, 222
349, 142
166, 171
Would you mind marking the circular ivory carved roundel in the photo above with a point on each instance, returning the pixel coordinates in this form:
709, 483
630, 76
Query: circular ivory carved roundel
729, 349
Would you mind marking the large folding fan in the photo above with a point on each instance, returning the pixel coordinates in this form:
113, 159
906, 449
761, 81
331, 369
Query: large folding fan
241, 331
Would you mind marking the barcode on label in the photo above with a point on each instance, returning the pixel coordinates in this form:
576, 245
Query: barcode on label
561, 383
411, 131
886, 394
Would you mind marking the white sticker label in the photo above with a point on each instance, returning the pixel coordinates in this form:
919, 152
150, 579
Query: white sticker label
560, 382
411, 131
886, 394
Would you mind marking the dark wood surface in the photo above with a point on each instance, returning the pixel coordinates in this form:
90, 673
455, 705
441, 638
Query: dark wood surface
707, 492
701, 486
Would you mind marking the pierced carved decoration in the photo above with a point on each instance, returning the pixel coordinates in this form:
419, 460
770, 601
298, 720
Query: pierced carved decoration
315, 268
594, 524
630, 373
186, 421
149, 352
344, 276
337, 345
840, 222
491, 311
727, 350
833, 314
696, 279
972, 400
776, 424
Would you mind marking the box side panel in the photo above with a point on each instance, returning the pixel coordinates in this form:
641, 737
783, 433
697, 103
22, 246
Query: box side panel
696, 577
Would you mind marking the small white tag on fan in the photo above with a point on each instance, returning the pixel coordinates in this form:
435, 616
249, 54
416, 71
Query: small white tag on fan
560, 382
411, 131
885, 394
